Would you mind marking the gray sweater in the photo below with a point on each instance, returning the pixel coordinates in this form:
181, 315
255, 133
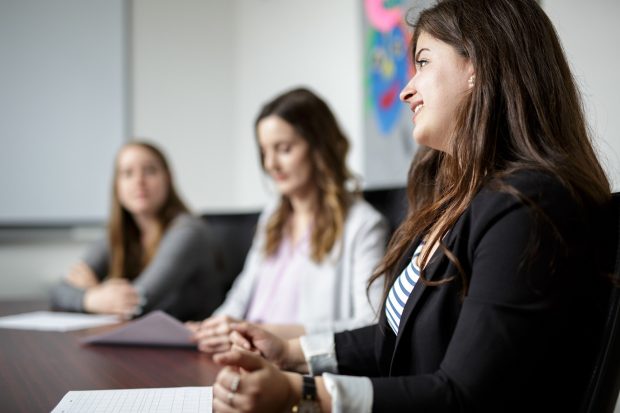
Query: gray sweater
179, 280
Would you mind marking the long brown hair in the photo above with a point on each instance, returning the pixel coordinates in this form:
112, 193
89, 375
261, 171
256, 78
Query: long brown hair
524, 112
313, 121
127, 255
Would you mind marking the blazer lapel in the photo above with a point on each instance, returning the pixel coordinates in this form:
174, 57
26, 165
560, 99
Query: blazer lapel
420, 287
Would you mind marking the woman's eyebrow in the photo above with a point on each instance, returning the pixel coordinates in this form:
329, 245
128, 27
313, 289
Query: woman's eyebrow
417, 55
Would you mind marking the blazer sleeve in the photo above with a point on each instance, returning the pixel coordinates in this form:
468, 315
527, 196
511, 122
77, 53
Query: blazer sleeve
356, 351
364, 248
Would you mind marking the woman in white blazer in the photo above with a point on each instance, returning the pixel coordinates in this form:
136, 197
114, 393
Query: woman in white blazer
317, 246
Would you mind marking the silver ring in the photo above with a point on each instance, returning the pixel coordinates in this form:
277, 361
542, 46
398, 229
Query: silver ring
234, 386
229, 399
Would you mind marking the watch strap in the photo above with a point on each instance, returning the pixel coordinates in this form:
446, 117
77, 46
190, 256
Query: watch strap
308, 389
309, 399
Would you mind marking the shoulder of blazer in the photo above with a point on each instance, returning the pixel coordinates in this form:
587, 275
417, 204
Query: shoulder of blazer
534, 190
538, 187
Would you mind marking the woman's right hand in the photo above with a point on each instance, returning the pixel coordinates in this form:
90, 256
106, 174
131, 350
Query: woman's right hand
82, 276
248, 383
116, 296
251, 337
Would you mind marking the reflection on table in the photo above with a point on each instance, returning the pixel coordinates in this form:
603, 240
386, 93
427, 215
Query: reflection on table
38, 367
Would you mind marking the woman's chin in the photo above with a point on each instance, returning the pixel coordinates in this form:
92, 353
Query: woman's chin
419, 138
145, 211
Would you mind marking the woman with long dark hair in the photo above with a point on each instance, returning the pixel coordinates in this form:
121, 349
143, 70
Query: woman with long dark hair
495, 281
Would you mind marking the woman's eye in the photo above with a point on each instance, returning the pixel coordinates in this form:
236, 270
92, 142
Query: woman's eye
421, 63
150, 170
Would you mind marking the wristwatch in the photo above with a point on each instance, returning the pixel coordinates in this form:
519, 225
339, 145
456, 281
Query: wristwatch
308, 402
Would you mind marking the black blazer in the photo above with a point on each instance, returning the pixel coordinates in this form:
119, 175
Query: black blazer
521, 339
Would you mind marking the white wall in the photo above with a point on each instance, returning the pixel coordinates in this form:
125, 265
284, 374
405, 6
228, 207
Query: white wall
29, 269
183, 83
201, 70
281, 44
590, 35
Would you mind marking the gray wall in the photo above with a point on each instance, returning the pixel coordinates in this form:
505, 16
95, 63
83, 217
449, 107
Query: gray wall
63, 107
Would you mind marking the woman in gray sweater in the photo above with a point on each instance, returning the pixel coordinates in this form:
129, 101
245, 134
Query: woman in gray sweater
156, 255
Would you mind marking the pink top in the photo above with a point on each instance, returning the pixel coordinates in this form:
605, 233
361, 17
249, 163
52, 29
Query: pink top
276, 295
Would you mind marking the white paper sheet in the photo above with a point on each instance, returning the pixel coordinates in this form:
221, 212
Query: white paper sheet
55, 321
162, 400
154, 329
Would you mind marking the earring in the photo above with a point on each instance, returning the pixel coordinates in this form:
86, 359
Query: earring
471, 80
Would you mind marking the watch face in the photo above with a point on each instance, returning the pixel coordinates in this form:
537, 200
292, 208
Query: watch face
306, 406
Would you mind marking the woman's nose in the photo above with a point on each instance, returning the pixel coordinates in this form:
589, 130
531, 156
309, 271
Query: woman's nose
140, 178
408, 91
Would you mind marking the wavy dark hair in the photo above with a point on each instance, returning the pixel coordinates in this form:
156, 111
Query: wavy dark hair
523, 112
314, 122
127, 255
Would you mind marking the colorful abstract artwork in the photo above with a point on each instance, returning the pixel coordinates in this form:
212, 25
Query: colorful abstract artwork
387, 67
388, 141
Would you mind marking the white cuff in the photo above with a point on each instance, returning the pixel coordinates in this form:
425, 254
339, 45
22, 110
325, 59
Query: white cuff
318, 328
320, 353
349, 394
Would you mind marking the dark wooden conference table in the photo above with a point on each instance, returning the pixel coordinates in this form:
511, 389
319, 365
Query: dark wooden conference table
37, 368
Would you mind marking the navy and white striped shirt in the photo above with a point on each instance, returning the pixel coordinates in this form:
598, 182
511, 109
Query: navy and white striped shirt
400, 291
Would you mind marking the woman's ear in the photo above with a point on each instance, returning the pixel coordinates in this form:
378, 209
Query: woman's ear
471, 78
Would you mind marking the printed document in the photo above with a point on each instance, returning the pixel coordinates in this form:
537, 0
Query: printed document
55, 321
162, 400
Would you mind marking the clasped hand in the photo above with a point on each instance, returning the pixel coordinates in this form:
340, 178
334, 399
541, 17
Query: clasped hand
251, 380
212, 334
114, 296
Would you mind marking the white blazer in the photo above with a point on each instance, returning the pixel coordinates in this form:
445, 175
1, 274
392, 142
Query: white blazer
334, 291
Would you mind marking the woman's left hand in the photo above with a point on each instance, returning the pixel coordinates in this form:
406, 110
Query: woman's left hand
212, 335
249, 383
